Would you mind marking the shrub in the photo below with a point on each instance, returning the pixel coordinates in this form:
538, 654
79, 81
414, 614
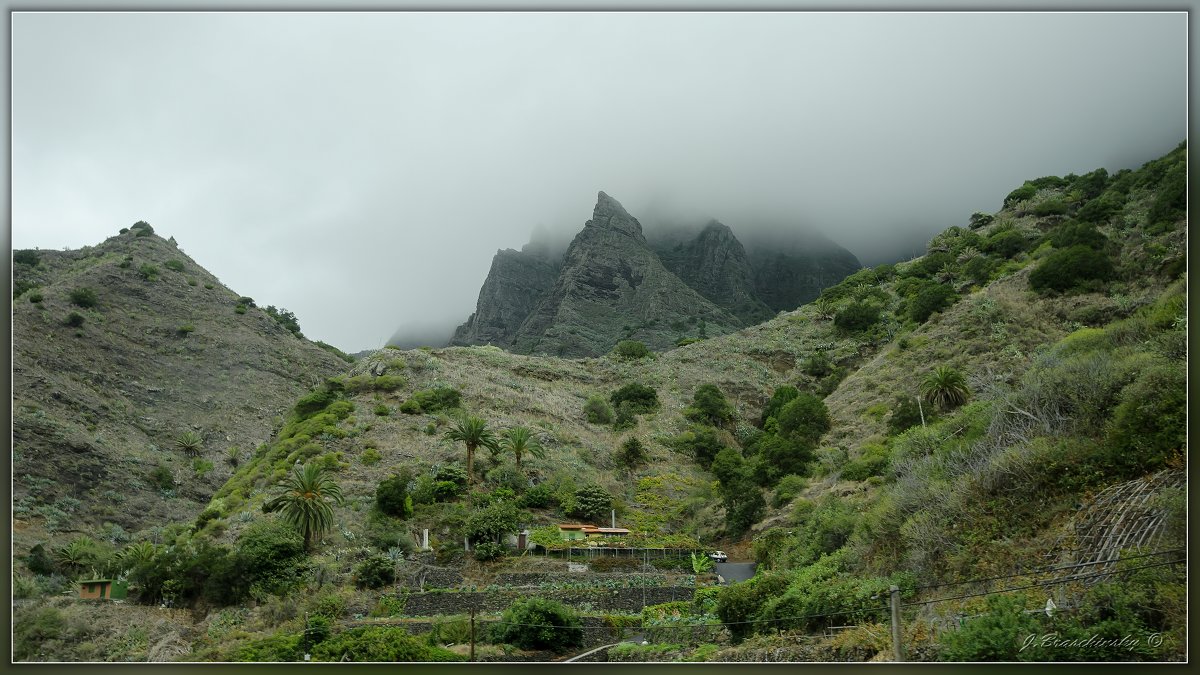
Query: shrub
488, 551
709, 406
245, 300
83, 297
382, 410
631, 350
284, 318
998, 635
392, 495
906, 413
1050, 207
374, 572
142, 226
239, 309
148, 272
779, 455
27, 256
781, 397
35, 297
932, 298
1006, 243
1077, 234
209, 286
788, 488
818, 365
1149, 425
432, 400
161, 477
539, 496
804, 418
625, 417
185, 330
641, 398
699, 442
873, 462
1071, 268
980, 219
856, 317
380, 643
540, 623
598, 410
632, 454
74, 320
592, 502
272, 554
176, 265
1023, 193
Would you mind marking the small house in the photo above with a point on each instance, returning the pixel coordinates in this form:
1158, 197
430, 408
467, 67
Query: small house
102, 589
597, 532
575, 532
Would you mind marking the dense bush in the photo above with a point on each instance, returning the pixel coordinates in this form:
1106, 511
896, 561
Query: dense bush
374, 572
709, 406
591, 502
779, 398
286, 319
314, 402
380, 643
641, 398
74, 320
1149, 425
142, 226
148, 272
804, 418
493, 521
856, 317
631, 350
540, 623
873, 462
433, 400
1023, 193
391, 497
272, 554
699, 442
176, 265
598, 410
27, 257
818, 365
539, 496
738, 604
931, 298
631, 454
1077, 234
1006, 243
788, 488
488, 551
906, 413
1071, 268
777, 456
83, 297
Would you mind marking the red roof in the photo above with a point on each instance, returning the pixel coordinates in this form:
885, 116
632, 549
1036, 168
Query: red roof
577, 527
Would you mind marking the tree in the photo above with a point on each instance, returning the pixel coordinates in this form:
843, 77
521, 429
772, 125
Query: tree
306, 500
709, 406
591, 502
540, 623
520, 440
493, 521
641, 398
81, 552
804, 418
392, 495
857, 316
945, 387
631, 350
782, 396
632, 453
473, 433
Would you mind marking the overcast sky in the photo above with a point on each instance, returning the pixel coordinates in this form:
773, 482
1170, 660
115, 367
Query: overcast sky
362, 169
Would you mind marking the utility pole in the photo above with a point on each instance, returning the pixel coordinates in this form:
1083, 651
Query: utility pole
897, 647
472, 634
922, 409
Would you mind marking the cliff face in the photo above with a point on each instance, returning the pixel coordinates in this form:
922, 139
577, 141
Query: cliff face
715, 264
613, 287
517, 282
611, 284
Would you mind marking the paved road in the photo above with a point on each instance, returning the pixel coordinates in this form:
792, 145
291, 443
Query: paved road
734, 571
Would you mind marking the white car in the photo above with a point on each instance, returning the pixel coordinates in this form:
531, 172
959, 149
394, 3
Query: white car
718, 556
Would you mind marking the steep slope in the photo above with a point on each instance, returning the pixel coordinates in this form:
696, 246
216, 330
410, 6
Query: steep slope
517, 282
715, 265
613, 287
159, 351
790, 271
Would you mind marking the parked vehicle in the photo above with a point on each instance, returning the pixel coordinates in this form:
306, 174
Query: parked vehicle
718, 556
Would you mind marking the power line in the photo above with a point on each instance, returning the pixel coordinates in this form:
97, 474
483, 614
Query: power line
1044, 570
1056, 582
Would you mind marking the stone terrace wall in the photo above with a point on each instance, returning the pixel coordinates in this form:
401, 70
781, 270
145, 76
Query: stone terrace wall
602, 600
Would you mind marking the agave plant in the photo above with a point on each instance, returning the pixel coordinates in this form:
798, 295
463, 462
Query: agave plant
190, 442
945, 387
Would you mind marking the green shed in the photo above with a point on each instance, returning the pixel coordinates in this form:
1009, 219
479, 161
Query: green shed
103, 589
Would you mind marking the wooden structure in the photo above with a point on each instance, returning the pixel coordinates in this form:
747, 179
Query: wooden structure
103, 589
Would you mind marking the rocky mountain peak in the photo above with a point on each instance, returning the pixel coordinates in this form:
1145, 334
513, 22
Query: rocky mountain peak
609, 214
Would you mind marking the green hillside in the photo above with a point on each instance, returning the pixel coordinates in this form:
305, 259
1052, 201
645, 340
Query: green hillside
985, 427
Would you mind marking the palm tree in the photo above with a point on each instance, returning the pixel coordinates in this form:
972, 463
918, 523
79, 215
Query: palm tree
472, 432
519, 440
138, 553
945, 387
78, 554
306, 499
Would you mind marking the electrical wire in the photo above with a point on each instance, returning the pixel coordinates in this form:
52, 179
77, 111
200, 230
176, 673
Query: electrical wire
1044, 570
